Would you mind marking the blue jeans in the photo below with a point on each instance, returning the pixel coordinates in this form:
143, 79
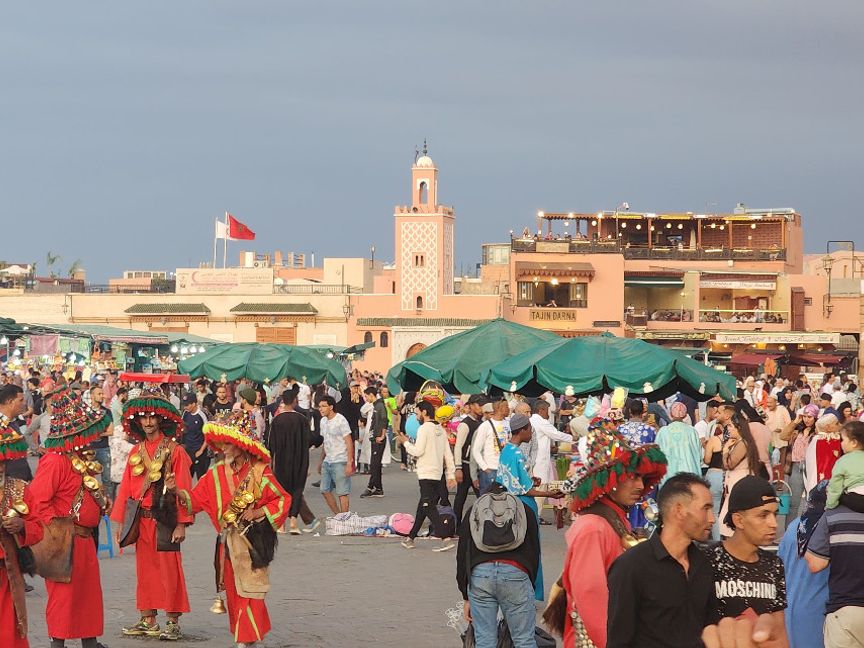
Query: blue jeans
333, 478
715, 478
486, 478
103, 456
495, 585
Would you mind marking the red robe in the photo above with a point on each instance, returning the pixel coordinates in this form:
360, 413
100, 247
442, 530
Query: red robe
74, 609
592, 547
161, 582
31, 534
248, 618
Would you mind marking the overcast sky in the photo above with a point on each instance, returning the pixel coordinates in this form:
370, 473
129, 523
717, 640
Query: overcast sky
128, 127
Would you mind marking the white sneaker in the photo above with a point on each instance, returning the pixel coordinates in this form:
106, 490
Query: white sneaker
408, 543
447, 545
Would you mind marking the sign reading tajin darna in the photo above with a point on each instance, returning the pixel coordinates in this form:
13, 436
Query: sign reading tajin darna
552, 315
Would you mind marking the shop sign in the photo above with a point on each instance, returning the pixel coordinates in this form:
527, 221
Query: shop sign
552, 246
738, 285
552, 315
246, 281
777, 338
670, 335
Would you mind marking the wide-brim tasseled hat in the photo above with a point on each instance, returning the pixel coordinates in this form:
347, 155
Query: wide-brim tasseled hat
12, 444
239, 429
74, 424
154, 403
611, 459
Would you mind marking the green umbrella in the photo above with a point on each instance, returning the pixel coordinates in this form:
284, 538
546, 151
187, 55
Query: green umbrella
264, 362
459, 362
597, 364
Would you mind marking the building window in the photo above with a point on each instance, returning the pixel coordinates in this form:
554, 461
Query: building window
578, 295
419, 260
367, 337
808, 301
525, 295
424, 193
419, 303
384, 340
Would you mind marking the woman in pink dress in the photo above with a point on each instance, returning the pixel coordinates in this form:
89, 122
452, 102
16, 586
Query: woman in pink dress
740, 458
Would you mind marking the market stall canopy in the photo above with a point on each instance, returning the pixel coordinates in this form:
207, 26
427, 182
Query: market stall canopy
598, 364
814, 359
265, 362
99, 333
459, 362
160, 378
753, 359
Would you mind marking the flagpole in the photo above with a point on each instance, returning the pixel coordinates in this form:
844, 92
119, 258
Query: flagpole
215, 238
225, 247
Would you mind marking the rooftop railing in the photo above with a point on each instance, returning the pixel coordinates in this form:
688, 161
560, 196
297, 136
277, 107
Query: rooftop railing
679, 253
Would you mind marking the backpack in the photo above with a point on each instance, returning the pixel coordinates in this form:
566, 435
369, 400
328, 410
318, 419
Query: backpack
498, 522
446, 527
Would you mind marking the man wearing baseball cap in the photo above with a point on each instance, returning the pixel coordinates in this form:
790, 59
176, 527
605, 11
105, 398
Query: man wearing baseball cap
748, 579
193, 435
462, 451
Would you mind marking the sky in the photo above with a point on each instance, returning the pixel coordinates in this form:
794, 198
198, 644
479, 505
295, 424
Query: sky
127, 128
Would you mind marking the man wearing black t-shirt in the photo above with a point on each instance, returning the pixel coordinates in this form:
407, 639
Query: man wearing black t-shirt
747, 577
222, 405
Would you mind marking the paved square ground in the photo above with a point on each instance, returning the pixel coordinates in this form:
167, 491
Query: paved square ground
325, 591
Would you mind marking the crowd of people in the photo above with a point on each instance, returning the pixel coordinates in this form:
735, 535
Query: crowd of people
672, 503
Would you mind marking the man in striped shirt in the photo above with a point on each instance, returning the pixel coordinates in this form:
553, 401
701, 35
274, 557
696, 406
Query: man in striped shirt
838, 543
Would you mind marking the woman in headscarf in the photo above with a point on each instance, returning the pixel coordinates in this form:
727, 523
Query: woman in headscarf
798, 433
822, 452
680, 443
806, 592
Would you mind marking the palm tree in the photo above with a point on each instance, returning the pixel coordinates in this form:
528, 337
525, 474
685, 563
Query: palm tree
75, 267
50, 260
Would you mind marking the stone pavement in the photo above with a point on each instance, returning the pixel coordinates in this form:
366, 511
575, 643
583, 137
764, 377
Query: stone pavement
325, 591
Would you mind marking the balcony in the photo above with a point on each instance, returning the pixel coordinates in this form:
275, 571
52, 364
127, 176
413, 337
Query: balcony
599, 246
755, 316
316, 289
644, 318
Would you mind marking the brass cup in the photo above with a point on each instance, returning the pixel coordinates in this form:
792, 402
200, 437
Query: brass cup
94, 467
229, 517
20, 506
247, 497
218, 606
156, 466
91, 483
11, 513
138, 470
135, 460
155, 475
78, 465
89, 454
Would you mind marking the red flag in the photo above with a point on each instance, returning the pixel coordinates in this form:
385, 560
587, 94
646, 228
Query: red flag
237, 231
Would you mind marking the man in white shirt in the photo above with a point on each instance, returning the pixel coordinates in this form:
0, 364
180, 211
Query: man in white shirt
489, 438
545, 433
337, 457
705, 427
776, 420
304, 394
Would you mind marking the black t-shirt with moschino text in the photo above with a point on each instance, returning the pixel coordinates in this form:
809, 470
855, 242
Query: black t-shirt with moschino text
741, 585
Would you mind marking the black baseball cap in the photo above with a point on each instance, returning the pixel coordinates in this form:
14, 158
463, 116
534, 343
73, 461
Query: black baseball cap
188, 399
748, 493
477, 399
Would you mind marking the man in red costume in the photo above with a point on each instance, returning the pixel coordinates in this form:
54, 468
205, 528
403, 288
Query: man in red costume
149, 517
66, 485
18, 529
614, 477
247, 506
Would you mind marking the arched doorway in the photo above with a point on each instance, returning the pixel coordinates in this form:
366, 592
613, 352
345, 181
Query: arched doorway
414, 348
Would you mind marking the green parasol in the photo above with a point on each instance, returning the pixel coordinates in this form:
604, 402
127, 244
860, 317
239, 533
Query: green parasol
459, 362
265, 362
598, 364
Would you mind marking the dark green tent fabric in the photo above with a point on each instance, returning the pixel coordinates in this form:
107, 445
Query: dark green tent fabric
460, 361
262, 362
599, 363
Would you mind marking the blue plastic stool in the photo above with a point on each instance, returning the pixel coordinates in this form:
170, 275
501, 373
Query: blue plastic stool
110, 546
